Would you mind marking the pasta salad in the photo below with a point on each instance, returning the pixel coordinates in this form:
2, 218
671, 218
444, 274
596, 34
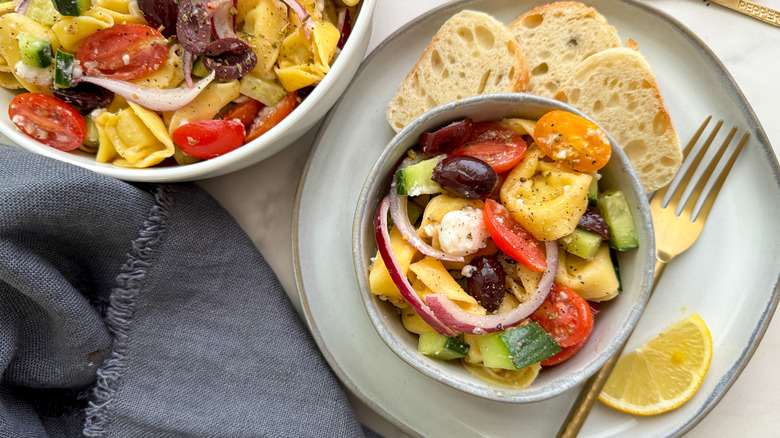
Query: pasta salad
501, 243
147, 82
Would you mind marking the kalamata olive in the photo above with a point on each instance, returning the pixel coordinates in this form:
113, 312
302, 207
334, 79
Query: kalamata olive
486, 283
447, 138
591, 220
84, 97
160, 14
346, 30
465, 176
229, 58
193, 26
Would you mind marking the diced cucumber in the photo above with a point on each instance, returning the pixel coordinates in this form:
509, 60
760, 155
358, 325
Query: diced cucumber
517, 347
36, 52
582, 243
63, 69
414, 211
615, 210
43, 12
72, 8
199, 69
416, 179
616, 266
268, 91
442, 347
593, 191
92, 140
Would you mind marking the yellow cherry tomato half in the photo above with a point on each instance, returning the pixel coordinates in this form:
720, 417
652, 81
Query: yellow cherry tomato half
573, 141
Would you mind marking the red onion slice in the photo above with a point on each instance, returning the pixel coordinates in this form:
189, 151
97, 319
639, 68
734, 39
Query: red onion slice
382, 236
400, 215
299, 10
154, 99
458, 319
223, 23
188, 59
22, 5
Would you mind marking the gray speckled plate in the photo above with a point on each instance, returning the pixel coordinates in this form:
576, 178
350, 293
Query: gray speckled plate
735, 295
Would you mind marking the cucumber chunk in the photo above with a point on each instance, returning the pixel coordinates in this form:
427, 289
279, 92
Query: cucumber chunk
416, 179
593, 191
72, 8
442, 347
43, 12
615, 210
616, 266
63, 69
517, 347
582, 243
36, 52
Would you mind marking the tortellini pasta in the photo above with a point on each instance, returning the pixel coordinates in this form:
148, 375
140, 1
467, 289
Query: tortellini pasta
10, 26
436, 279
594, 280
133, 137
72, 31
545, 198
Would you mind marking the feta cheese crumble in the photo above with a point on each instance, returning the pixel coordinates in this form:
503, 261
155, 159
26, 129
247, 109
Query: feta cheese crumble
463, 232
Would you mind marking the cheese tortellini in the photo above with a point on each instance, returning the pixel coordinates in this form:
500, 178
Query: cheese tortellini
545, 198
133, 137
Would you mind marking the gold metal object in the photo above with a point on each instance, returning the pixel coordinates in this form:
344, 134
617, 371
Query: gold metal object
759, 12
674, 233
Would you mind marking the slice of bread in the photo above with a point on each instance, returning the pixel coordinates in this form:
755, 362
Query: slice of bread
471, 54
555, 38
617, 88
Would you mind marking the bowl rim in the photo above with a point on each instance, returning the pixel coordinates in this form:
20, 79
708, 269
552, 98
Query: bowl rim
438, 117
266, 145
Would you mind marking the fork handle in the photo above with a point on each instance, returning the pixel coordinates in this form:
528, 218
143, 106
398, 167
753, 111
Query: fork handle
759, 12
582, 406
587, 398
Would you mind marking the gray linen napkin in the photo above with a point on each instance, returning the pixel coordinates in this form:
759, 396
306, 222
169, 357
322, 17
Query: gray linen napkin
145, 311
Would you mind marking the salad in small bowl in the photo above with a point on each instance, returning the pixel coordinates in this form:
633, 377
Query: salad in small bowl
503, 246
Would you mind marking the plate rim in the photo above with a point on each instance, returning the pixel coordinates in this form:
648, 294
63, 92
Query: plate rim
762, 321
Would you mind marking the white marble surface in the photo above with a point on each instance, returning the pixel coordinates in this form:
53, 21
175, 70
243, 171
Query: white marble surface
261, 197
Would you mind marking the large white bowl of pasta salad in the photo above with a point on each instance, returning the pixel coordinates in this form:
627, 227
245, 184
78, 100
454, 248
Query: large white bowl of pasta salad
503, 246
164, 90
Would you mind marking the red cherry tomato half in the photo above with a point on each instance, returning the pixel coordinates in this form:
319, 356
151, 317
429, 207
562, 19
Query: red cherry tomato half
209, 138
123, 51
494, 144
48, 120
572, 140
246, 112
565, 354
511, 238
565, 316
270, 116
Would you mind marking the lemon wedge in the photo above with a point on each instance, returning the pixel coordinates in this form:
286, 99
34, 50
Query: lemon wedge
663, 373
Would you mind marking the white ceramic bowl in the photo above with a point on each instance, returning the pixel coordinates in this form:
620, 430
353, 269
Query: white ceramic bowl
613, 323
303, 118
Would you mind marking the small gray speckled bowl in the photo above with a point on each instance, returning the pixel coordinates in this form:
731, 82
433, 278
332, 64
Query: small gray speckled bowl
613, 323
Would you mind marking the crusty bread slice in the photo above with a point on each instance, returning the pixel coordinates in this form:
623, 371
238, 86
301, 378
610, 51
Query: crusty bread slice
471, 54
556, 37
617, 88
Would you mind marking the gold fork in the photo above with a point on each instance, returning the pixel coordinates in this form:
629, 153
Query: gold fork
674, 233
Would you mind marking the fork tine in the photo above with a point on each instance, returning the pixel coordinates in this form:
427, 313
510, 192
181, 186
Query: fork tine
713, 193
662, 191
693, 197
679, 190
